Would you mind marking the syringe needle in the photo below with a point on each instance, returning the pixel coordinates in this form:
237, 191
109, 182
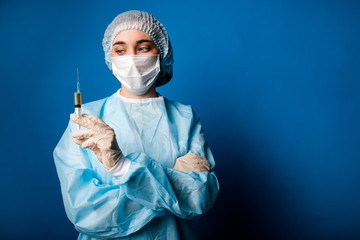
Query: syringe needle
78, 82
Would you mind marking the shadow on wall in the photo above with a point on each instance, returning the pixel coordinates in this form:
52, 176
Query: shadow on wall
247, 206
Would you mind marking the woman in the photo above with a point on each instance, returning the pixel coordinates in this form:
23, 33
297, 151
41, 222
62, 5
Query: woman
140, 167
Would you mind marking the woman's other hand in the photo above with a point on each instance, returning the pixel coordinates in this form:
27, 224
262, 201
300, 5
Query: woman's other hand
192, 162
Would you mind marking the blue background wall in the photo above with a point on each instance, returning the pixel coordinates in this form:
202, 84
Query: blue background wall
276, 84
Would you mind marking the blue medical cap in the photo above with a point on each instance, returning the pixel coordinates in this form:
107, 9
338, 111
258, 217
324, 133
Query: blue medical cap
149, 24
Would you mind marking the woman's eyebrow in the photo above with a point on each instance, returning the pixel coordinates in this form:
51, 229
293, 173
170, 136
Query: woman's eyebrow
119, 43
137, 42
144, 40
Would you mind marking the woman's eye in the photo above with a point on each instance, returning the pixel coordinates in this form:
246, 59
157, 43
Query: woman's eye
144, 49
120, 51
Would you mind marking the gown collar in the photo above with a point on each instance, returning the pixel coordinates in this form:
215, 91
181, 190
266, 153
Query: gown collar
140, 100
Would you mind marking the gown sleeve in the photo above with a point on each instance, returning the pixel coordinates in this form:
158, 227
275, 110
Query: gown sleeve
195, 192
125, 204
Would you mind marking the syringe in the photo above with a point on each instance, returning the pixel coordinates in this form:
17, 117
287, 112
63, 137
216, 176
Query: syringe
77, 98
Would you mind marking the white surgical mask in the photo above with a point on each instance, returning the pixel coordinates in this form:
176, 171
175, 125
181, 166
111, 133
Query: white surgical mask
136, 72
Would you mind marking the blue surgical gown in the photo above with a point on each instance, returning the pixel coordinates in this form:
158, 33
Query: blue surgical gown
151, 200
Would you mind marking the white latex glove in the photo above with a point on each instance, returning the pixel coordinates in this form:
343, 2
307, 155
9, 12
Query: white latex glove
99, 137
192, 162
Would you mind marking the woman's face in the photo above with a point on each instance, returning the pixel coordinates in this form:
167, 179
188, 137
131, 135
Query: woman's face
133, 42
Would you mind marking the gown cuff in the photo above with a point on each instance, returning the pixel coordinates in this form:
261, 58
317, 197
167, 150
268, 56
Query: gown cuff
121, 167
